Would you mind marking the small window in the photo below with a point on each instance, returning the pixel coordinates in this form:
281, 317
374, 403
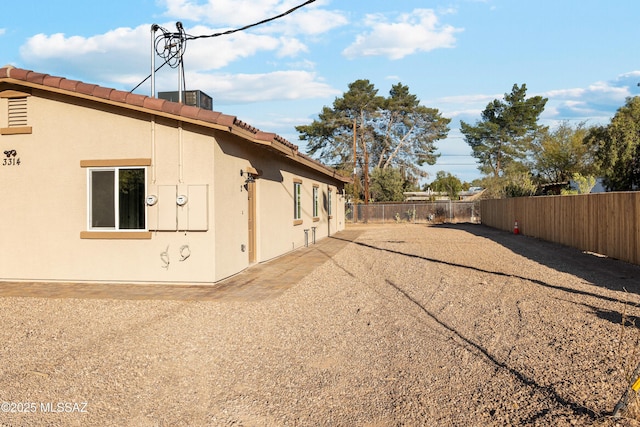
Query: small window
316, 202
329, 203
116, 198
297, 203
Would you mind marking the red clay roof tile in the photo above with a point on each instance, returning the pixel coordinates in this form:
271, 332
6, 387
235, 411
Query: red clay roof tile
36, 77
52, 81
156, 104
118, 95
226, 120
4, 71
19, 73
135, 99
102, 92
139, 101
153, 103
189, 111
67, 84
208, 115
85, 88
173, 108
265, 136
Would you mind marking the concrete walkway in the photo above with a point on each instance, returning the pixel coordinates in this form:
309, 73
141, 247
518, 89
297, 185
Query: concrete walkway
261, 281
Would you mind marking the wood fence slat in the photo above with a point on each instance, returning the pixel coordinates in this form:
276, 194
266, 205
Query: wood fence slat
606, 223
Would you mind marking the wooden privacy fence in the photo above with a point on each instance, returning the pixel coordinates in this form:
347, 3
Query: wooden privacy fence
425, 212
604, 223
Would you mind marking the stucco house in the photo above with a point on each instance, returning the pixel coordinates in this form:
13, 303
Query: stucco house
103, 185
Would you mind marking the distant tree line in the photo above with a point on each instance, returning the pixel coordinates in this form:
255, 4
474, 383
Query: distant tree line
382, 142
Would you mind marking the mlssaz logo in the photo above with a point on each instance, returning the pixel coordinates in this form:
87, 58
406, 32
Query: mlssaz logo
10, 153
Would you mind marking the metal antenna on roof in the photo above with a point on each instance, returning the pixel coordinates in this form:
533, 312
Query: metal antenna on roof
154, 29
170, 47
183, 45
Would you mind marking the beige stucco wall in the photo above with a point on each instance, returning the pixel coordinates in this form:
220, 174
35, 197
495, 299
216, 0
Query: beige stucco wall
50, 189
45, 198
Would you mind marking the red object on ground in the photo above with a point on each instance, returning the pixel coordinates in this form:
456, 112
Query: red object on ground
516, 230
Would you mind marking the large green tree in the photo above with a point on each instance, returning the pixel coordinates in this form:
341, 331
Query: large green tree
617, 148
392, 132
387, 185
448, 183
407, 132
562, 153
502, 138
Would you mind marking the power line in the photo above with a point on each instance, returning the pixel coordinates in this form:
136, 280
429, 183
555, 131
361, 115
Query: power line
246, 27
175, 44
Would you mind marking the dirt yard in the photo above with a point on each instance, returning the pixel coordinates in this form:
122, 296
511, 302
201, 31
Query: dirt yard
454, 325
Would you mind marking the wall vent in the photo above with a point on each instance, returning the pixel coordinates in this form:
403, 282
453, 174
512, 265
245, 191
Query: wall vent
17, 112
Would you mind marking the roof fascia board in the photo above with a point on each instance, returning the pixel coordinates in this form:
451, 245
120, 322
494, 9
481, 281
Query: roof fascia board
272, 142
93, 98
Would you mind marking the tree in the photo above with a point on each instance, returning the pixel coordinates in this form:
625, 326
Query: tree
338, 133
584, 183
504, 135
409, 131
393, 132
617, 148
387, 185
562, 153
446, 182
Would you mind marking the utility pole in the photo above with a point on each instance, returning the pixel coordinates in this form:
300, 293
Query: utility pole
365, 172
355, 169
354, 151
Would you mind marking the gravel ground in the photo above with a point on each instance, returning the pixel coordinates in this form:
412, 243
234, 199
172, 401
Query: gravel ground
408, 325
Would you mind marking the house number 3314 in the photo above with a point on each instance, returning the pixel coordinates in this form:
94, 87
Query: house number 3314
11, 158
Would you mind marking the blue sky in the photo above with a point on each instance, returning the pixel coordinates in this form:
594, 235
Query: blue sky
455, 55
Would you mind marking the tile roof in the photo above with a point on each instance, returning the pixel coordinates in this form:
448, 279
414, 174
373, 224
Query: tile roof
157, 104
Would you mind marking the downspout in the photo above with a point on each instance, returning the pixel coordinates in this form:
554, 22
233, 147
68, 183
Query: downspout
153, 149
180, 154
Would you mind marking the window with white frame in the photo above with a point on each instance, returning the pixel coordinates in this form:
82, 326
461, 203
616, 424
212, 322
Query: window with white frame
297, 200
117, 198
316, 202
329, 203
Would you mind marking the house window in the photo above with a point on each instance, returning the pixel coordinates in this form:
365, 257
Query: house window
297, 201
329, 203
116, 198
316, 205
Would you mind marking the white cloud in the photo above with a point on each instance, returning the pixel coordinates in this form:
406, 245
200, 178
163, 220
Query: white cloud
309, 20
224, 12
596, 102
291, 47
120, 54
120, 51
2, 31
418, 31
218, 52
246, 88
312, 22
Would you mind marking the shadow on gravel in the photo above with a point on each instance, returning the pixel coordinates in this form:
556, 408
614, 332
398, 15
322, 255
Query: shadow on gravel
598, 271
546, 390
576, 408
603, 272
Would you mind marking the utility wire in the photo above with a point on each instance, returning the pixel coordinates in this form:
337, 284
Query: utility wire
246, 27
175, 44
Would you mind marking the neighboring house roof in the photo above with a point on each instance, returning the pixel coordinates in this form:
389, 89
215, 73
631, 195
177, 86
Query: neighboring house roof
161, 107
